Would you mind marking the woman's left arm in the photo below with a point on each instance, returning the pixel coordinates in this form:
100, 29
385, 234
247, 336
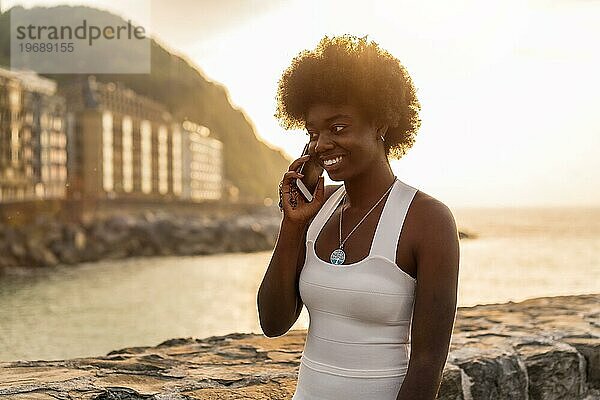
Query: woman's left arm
437, 256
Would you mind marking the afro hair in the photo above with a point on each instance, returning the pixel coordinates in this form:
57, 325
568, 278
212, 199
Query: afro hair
351, 70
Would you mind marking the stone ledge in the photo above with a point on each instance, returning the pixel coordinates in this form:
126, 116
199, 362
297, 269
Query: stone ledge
545, 348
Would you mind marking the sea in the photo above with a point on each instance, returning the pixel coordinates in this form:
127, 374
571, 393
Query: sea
90, 309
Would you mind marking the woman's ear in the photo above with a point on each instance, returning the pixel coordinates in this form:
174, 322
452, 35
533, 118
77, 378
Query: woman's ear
382, 130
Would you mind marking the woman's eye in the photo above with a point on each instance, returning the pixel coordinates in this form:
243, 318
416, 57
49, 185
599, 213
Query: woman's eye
334, 129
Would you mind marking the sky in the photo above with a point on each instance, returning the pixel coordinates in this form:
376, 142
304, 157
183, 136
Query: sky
509, 90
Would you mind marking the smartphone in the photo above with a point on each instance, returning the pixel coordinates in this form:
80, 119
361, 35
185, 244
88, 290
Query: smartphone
311, 170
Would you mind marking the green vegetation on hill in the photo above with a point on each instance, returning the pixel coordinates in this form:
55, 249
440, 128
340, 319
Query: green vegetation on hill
249, 163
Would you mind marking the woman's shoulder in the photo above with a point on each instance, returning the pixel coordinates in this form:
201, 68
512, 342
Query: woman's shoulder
430, 214
427, 206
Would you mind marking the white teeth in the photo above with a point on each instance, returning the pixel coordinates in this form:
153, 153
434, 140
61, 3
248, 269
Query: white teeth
332, 161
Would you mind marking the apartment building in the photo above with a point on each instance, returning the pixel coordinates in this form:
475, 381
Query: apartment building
33, 141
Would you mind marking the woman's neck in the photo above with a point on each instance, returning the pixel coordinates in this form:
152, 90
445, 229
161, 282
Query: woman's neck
364, 190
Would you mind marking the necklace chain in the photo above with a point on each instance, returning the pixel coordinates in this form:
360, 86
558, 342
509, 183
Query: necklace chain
363, 218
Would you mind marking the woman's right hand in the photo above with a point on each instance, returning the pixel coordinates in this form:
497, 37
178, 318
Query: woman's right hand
303, 211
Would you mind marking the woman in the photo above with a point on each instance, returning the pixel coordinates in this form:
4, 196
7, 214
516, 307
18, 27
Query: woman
374, 260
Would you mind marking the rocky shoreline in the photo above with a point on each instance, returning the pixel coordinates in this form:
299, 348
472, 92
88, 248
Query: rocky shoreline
545, 348
50, 242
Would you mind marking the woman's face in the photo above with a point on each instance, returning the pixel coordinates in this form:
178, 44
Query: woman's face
343, 141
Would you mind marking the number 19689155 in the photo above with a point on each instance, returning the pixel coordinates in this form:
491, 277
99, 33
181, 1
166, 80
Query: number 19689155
46, 47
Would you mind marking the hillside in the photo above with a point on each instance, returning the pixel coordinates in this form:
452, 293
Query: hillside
186, 93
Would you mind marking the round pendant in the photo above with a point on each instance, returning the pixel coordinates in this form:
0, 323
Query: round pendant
337, 257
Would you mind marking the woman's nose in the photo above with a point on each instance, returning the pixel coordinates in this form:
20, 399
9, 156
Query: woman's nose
324, 143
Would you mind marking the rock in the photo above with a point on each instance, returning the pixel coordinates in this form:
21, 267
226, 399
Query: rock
39, 254
69, 250
555, 370
466, 235
589, 347
451, 387
498, 351
491, 371
18, 249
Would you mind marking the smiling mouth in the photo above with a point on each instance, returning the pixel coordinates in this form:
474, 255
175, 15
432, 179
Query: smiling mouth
332, 163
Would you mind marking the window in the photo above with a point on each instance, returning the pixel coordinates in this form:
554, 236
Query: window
15, 146
14, 98
127, 140
107, 151
163, 173
44, 120
57, 123
146, 156
177, 163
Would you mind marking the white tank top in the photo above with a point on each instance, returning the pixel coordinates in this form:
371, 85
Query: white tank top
358, 341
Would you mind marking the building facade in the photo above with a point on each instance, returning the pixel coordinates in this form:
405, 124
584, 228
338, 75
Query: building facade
128, 146
33, 141
202, 172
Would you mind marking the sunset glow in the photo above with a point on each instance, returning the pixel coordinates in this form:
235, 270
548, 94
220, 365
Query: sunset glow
508, 91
